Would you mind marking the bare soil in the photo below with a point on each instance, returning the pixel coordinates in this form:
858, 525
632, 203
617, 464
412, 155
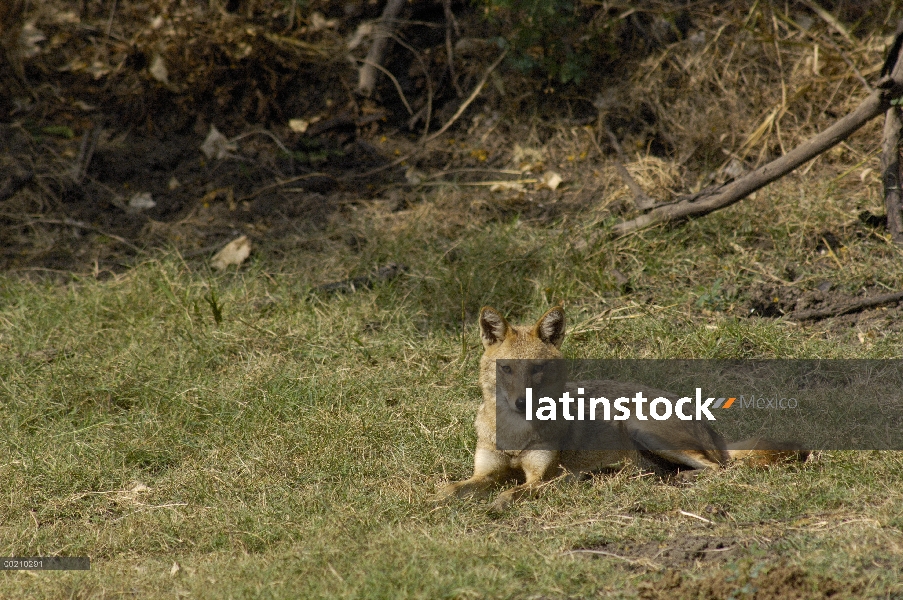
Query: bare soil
688, 551
778, 583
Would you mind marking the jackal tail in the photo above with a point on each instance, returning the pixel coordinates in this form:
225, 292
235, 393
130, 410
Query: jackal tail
762, 452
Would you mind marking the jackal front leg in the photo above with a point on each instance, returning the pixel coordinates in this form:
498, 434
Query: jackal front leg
489, 468
538, 466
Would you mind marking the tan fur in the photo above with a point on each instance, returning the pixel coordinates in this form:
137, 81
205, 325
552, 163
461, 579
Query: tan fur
665, 447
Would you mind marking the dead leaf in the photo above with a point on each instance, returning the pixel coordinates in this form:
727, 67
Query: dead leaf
318, 22
141, 201
158, 69
298, 125
174, 569
551, 180
216, 145
29, 38
233, 253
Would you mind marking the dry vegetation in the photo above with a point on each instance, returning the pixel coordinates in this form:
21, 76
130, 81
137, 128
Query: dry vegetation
235, 434
120, 101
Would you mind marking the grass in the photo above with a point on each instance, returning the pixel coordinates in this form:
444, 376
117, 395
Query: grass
293, 449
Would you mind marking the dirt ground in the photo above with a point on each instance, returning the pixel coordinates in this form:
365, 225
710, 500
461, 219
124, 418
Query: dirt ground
101, 151
772, 584
707, 554
716, 571
107, 109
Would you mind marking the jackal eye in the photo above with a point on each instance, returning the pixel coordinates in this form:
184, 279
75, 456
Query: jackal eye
506, 369
537, 369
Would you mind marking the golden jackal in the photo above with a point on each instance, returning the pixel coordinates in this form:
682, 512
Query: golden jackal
666, 446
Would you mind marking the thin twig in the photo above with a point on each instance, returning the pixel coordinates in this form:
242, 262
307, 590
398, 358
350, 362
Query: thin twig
451, 23
450, 122
80, 225
470, 99
695, 516
850, 64
642, 200
381, 168
829, 19
110, 21
263, 189
611, 555
394, 81
85, 153
265, 132
429, 84
478, 183
436, 174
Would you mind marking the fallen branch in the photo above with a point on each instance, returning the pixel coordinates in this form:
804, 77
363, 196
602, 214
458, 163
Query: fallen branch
711, 199
366, 82
843, 309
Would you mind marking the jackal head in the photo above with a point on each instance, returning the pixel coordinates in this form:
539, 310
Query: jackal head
517, 357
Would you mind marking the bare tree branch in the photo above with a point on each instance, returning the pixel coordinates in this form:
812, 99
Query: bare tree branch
711, 199
890, 165
381, 34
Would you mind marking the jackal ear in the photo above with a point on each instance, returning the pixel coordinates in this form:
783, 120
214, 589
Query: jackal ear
493, 326
550, 327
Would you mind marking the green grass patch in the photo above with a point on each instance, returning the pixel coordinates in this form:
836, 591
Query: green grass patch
288, 444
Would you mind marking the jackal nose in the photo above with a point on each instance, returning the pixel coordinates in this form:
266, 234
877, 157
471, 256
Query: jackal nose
521, 404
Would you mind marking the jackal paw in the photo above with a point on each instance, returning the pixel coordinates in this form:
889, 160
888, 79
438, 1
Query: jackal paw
500, 504
462, 489
446, 493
